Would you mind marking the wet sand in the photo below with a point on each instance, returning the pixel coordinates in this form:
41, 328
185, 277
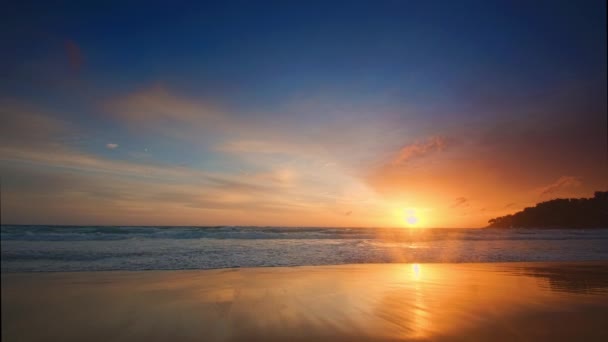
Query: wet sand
387, 302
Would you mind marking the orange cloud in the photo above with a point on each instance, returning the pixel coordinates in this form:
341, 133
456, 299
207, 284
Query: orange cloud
419, 149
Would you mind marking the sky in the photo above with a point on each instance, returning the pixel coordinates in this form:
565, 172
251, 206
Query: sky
299, 113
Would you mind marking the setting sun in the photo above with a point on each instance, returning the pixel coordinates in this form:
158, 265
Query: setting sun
412, 218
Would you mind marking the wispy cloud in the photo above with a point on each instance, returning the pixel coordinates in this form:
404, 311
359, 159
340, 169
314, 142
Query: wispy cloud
90, 196
561, 184
460, 202
91, 182
420, 149
268, 147
160, 110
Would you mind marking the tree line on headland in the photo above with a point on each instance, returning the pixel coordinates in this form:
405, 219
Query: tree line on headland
560, 213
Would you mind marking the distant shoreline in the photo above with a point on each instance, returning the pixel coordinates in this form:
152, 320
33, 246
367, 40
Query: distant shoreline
561, 213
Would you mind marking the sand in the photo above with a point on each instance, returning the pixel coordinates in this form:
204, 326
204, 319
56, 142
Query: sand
376, 302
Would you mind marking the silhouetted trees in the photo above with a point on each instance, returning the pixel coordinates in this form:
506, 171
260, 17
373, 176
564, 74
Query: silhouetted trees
560, 213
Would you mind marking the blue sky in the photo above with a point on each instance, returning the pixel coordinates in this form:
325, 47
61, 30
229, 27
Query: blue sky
296, 113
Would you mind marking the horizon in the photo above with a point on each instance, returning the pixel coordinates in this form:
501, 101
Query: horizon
489, 226
232, 225
325, 115
240, 226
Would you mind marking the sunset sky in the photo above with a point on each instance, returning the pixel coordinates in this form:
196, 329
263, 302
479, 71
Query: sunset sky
299, 113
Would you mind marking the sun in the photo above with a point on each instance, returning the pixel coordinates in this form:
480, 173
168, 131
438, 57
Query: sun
411, 218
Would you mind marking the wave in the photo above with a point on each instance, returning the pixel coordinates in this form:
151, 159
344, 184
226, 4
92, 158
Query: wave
94, 248
109, 233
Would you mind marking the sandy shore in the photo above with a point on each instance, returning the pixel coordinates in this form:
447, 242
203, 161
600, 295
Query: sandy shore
392, 302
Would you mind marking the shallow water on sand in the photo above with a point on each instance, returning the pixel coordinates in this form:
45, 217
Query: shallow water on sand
420, 302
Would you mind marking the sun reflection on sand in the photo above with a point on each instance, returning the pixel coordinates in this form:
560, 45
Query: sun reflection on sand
417, 271
421, 318
339, 303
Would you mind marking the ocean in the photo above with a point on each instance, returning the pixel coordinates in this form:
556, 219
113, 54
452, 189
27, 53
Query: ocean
93, 248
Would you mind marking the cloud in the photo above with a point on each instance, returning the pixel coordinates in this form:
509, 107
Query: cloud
64, 158
58, 195
160, 110
561, 184
194, 188
419, 149
28, 136
280, 175
90, 182
460, 202
156, 108
272, 185
267, 147
388, 176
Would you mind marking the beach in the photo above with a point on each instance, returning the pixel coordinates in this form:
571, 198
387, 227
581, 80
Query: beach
532, 301
341, 171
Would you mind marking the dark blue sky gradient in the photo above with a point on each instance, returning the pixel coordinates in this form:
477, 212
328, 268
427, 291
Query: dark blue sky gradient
263, 52
525, 80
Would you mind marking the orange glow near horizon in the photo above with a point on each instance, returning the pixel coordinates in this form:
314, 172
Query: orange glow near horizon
412, 218
266, 180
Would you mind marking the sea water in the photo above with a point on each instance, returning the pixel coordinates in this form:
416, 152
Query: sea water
94, 248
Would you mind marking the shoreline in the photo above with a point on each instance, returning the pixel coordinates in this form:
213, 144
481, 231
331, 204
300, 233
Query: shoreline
503, 263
